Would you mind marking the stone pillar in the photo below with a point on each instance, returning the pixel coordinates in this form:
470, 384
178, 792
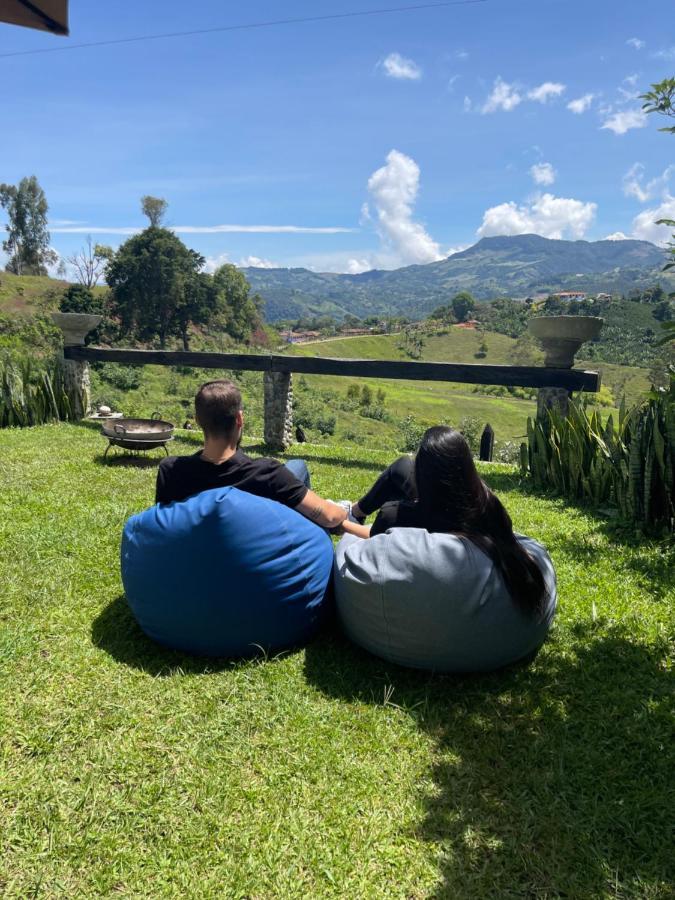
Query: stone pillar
552, 398
77, 382
278, 409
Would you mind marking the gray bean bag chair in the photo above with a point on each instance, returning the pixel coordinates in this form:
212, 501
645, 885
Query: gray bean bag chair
435, 601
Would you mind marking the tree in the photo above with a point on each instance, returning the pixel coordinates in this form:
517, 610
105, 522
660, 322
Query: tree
238, 311
28, 238
151, 280
661, 100
155, 209
89, 262
198, 306
462, 304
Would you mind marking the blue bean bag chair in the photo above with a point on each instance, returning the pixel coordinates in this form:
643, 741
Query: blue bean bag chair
435, 601
226, 573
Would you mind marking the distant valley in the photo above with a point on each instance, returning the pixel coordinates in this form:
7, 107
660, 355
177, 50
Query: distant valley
517, 266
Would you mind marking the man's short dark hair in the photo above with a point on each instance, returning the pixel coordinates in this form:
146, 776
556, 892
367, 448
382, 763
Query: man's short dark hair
216, 406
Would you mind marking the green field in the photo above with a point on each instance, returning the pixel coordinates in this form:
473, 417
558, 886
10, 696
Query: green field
130, 771
432, 402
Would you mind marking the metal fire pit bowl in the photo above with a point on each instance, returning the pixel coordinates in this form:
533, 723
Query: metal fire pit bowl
137, 435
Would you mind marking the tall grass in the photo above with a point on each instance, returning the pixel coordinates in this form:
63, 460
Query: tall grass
630, 462
32, 393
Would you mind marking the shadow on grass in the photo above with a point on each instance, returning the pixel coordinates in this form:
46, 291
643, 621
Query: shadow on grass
549, 781
117, 632
128, 460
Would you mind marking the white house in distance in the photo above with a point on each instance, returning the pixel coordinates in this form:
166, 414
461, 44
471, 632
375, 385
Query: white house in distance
571, 295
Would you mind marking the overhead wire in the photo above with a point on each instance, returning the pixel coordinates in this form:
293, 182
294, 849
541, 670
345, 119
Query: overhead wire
242, 27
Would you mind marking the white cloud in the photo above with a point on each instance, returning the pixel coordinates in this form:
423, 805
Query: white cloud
451, 83
634, 185
645, 227
617, 236
546, 91
667, 53
397, 66
210, 229
462, 54
393, 190
543, 173
581, 104
545, 214
356, 266
622, 121
504, 96
255, 262
468, 105
635, 42
629, 93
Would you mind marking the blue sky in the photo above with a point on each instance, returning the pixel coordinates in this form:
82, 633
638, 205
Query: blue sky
399, 137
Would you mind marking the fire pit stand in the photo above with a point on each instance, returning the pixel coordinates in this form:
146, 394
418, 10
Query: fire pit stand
135, 446
137, 435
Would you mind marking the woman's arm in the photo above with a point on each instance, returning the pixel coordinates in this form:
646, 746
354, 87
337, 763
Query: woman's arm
361, 531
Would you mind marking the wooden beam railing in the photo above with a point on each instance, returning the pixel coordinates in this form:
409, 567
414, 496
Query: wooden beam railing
509, 376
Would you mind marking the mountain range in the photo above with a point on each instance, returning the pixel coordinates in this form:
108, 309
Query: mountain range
514, 266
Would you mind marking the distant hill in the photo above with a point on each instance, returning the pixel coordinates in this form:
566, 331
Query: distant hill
516, 266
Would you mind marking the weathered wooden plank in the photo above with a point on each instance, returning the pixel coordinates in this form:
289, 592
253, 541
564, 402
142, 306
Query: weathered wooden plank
514, 376
242, 361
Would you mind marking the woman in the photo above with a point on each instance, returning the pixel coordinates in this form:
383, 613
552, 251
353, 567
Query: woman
441, 491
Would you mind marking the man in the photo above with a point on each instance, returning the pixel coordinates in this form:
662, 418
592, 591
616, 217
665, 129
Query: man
218, 411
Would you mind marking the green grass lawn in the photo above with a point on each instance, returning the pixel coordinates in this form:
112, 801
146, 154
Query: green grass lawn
127, 770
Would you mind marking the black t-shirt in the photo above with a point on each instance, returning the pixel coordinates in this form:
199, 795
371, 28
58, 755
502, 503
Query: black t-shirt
407, 514
180, 477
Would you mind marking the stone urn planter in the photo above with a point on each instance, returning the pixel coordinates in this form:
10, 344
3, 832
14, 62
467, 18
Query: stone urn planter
75, 326
561, 336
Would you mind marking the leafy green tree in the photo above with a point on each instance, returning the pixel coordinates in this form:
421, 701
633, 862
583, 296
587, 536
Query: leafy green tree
155, 209
238, 312
462, 304
198, 307
27, 235
661, 100
151, 279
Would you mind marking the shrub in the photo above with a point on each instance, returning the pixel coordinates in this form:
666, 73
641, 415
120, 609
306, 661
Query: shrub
411, 434
79, 299
472, 429
378, 413
366, 396
125, 378
354, 437
325, 425
508, 452
353, 392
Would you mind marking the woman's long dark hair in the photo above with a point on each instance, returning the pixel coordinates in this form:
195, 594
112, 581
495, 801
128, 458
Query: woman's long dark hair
452, 493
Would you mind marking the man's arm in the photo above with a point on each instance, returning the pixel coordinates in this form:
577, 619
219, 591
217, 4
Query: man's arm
323, 512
